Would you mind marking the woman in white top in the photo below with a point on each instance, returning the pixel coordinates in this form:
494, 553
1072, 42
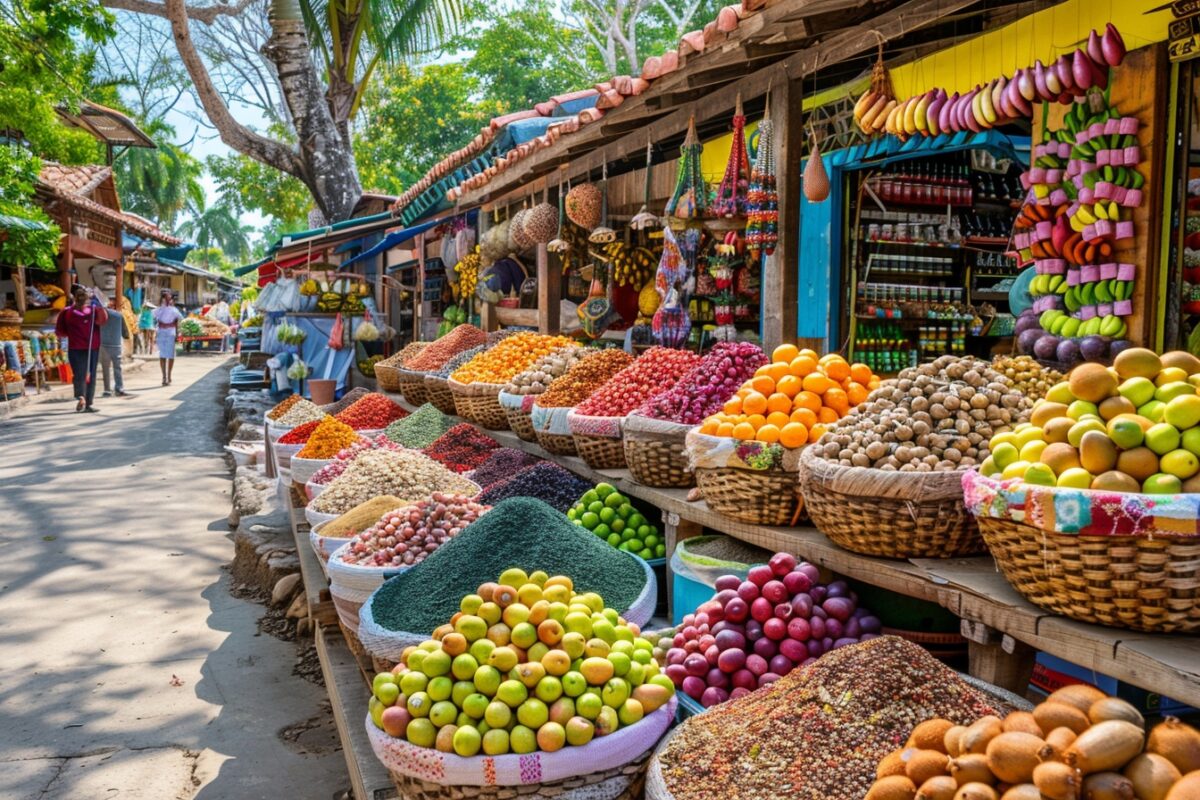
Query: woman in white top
167, 317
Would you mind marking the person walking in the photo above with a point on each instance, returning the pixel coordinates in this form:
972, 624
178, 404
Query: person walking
112, 332
146, 328
167, 317
79, 324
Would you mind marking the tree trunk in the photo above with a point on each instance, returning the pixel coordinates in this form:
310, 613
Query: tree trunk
327, 161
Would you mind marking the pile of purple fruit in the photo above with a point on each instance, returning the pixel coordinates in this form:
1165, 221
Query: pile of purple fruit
755, 631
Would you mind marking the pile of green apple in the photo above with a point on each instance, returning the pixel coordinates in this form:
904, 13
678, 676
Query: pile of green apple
1131, 427
527, 664
607, 513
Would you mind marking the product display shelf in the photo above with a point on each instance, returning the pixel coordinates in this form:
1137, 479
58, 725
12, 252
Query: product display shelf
1003, 628
348, 695
316, 588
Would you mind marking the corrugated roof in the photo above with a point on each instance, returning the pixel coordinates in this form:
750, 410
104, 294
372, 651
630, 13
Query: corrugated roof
106, 125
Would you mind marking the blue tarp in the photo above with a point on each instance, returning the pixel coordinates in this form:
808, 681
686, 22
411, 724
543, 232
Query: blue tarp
398, 238
315, 352
820, 269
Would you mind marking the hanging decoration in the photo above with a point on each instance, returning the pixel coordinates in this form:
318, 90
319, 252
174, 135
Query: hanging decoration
816, 180
731, 194
643, 219
690, 198
541, 223
671, 323
762, 199
583, 205
872, 109
602, 233
559, 244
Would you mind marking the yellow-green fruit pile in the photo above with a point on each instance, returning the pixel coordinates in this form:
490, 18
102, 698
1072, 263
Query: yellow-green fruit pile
1027, 375
527, 664
1131, 427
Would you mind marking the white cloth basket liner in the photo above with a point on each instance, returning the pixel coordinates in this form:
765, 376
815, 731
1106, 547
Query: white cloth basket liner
607, 427
304, 468
516, 402
314, 489
316, 518
448, 769
324, 546
551, 420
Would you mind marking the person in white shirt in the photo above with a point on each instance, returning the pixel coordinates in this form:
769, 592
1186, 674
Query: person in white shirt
167, 317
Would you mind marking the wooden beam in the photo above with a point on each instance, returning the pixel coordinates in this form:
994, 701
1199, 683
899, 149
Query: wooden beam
779, 277
549, 288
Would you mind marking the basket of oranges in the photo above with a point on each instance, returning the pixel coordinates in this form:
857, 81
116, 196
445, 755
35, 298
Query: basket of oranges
746, 456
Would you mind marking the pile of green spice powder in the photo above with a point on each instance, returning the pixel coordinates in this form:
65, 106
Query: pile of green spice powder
817, 733
519, 532
419, 429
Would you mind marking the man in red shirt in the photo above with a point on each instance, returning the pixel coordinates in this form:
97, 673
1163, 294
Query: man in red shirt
80, 324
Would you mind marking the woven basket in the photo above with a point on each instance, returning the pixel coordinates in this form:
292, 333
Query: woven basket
412, 386
1139, 582
387, 378
619, 783
479, 403
889, 514
438, 390
600, 452
760, 497
655, 463
521, 424
352, 641
556, 443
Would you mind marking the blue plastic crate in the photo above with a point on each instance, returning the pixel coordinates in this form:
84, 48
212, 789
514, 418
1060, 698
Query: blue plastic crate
688, 594
687, 707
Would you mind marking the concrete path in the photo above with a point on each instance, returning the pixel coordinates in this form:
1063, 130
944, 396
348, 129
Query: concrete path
127, 670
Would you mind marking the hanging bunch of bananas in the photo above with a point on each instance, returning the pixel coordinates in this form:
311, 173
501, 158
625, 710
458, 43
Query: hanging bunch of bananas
632, 266
576, 239
468, 274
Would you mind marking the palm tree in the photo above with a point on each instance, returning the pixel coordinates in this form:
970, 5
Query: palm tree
218, 226
354, 36
158, 183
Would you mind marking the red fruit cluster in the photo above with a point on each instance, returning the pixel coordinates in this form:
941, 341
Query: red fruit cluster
656, 370
705, 389
406, 536
755, 631
464, 337
373, 411
300, 433
462, 448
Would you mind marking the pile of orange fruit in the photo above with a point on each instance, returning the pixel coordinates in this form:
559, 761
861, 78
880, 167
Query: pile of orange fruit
793, 399
510, 356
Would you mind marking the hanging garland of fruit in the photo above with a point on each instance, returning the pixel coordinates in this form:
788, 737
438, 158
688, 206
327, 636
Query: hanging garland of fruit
762, 199
690, 198
731, 194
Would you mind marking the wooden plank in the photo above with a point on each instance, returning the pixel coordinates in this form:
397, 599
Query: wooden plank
549, 287
316, 587
780, 281
349, 695
675, 530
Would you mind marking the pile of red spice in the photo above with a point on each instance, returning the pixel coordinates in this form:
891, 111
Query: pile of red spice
300, 433
372, 412
462, 448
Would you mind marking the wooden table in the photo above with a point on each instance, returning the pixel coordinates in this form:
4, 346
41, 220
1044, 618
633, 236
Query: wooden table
1003, 629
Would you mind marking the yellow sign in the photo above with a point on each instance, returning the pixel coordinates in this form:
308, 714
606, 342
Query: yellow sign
1183, 37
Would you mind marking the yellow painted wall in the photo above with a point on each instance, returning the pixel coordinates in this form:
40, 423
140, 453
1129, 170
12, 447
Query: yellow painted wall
715, 155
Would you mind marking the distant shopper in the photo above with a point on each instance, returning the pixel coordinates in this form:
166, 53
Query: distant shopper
80, 323
112, 334
167, 317
146, 328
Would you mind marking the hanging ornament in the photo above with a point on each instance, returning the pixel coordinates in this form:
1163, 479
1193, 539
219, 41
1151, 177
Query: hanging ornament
671, 323
643, 218
602, 234
690, 198
816, 181
731, 194
558, 244
762, 199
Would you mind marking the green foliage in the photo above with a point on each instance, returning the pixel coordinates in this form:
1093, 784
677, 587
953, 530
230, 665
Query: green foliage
249, 185
33, 246
217, 227
158, 184
212, 259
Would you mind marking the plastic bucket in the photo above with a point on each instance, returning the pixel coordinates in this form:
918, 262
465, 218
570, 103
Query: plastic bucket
321, 391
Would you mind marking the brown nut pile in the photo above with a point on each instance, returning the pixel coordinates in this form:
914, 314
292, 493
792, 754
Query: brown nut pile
935, 417
584, 378
1028, 376
538, 378
403, 473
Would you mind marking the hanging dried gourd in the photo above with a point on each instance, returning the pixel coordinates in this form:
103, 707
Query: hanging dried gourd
762, 199
542, 222
872, 109
690, 198
643, 218
559, 243
518, 237
816, 180
731, 194
583, 205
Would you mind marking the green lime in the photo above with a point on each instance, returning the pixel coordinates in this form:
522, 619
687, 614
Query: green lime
637, 520
643, 530
617, 525
589, 497
614, 539
572, 513
651, 540
602, 530
646, 553
590, 520
607, 515
635, 544
614, 500
603, 490
624, 546
628, 533
660, 551
596, 506
625, 511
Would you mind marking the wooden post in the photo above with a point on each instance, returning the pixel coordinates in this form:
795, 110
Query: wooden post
487, 317
998, 658
419, 289
675, 530
549, 285
779, 279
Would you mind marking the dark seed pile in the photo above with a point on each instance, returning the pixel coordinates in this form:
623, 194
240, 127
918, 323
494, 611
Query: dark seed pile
502, 464
348, 399
556, 487
462, 448
520, 532
817, 733
458, 361
420, 428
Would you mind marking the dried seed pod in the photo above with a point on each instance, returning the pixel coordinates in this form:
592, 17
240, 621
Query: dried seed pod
1057, 781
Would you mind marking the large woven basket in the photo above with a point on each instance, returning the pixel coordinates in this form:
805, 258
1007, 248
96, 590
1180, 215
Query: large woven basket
556, 443
412, 386
600, 452
479, 403
521, 424
387, 378
889, 514
1146, 583
439, 394
757, 496
619, 783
